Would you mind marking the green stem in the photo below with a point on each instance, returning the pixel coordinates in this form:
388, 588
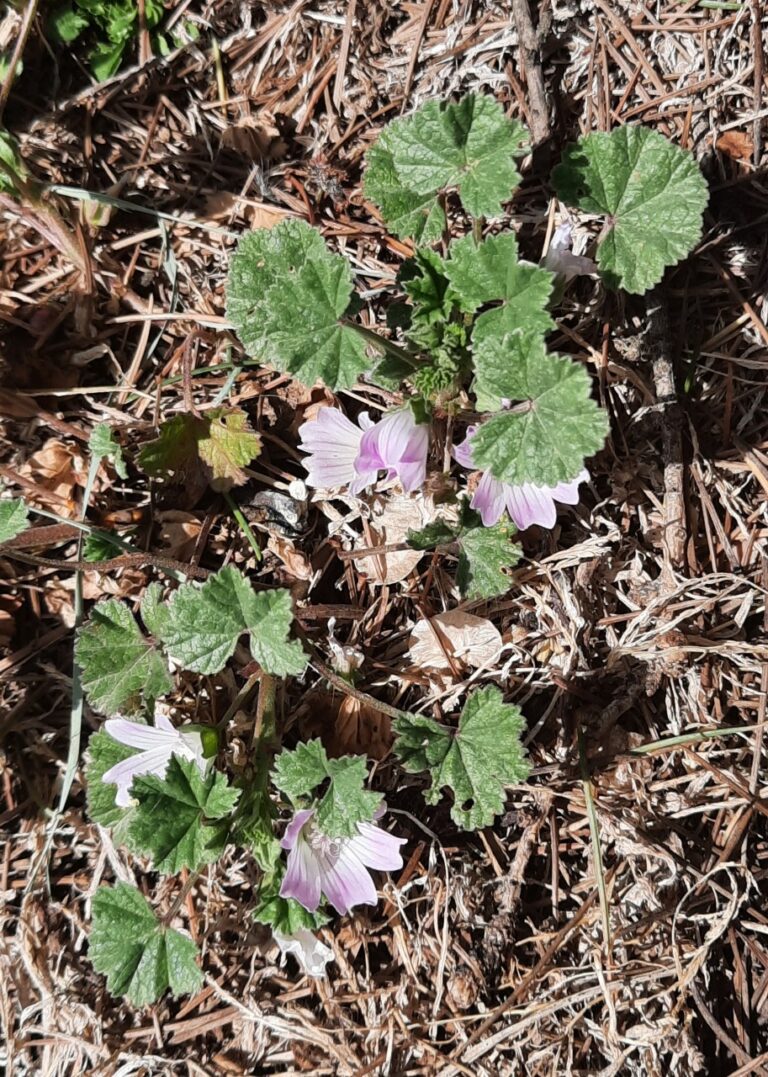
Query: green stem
696, 735
383, 344
477, 230
265, 729
594, 831
255, 812
243, 524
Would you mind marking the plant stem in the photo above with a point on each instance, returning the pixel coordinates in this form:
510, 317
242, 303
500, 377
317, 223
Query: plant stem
243, 524
239, 700
382, 344
265, 727
193, 877
339, 682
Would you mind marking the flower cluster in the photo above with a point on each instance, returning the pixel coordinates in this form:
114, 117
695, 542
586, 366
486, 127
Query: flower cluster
344, 454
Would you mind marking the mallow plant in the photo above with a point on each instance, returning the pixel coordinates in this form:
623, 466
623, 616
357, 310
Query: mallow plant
466, 340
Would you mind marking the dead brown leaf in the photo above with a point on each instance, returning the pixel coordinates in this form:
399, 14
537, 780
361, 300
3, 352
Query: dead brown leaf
391, 521
294, 560
360, 729
737, 145
454, 640
179, 532
56, 469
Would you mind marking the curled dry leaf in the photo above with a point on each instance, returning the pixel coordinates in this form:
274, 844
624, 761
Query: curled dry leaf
179, 532
397, 514
296, 564
451, 643
737, 145
345, 725
255, 137
59, 594
56, 469
223, 205
360, 729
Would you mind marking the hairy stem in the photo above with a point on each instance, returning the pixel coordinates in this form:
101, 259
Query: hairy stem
383, 344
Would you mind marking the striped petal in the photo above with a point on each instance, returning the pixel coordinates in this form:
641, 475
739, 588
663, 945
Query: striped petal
348, 882
302, 876
123, 773
333, 442
377, 849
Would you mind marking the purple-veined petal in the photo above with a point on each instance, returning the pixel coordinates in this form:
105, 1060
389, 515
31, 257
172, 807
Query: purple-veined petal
399, 445
529, 504
560, 259
123, 773
376, 848
191, 747
568, 492
347, 882
311, 954
463, 451
413, 464
362, 480
489, 499
369, 457
294, 828
391, 436
333, 442
137, 735
412, 476
302, 880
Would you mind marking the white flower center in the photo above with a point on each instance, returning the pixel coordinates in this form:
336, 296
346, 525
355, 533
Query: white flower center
321, 844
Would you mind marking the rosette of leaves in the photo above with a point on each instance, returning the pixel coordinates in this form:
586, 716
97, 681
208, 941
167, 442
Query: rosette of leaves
651, 193
435, 328
469, 147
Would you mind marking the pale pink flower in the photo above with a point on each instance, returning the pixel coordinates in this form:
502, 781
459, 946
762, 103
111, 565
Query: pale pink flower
311, 954
344, 454
561, 260
157, 743
527, 504
336, 867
